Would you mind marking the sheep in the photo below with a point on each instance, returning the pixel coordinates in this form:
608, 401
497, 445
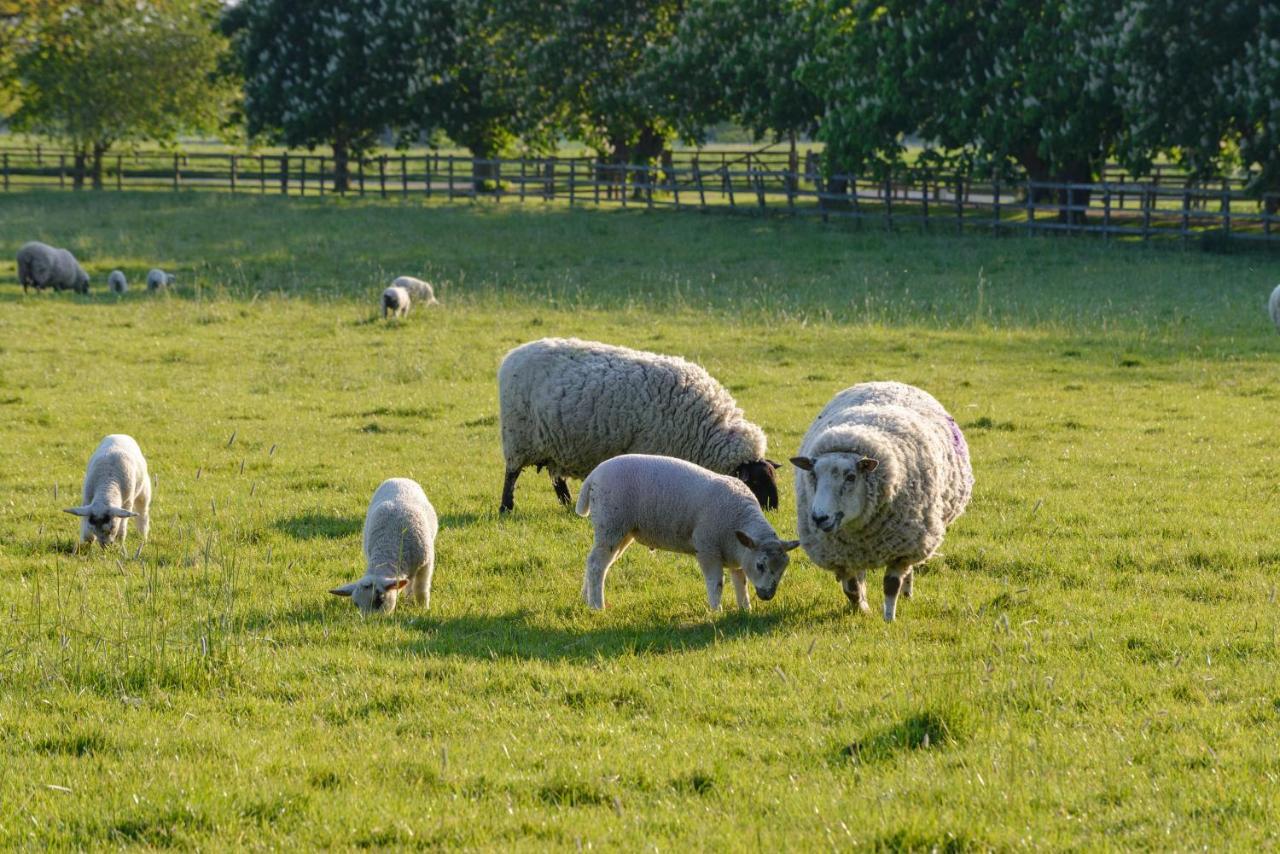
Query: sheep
569, 405
117, 283
1274, 307
420, 291
158, 279
43, 266
395, 300
116, 489
399, 548
674, 505
881, 473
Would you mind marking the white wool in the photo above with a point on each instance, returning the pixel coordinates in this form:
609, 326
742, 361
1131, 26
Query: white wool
395, 301
399, 548
116, 282
1273, 307
157, 279
115, 480
42, 266
420, 291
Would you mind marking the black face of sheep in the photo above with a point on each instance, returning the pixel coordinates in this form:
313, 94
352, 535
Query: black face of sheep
759, 477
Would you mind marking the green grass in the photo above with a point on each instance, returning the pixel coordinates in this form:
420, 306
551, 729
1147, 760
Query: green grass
1092, 664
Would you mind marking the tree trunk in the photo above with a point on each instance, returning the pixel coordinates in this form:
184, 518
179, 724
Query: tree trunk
483, 175
1077, 172
78, 169
648, 148
99, 149
341, 169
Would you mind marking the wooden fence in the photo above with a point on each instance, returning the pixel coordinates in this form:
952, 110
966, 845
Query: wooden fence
1161, 206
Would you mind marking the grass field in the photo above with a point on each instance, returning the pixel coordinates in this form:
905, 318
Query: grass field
1092, 664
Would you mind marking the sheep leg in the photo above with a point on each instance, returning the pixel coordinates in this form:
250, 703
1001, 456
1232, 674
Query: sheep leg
509, 491
142, 506
562, 490
420, 586
907, 579
740, 589
855, 588
893, 576
713, 574
606, 550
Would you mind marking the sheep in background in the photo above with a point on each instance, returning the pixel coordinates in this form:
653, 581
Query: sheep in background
116, 489
157, 279
670, 504
43, 266
399, 548
881, 473
116, 282
569, 405
396, 301
420, 291
1274, 307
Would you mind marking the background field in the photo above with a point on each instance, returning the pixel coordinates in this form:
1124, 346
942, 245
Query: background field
1091, 664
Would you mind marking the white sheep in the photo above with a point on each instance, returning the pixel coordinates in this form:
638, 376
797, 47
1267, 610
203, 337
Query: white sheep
882, 471
569, 405
674, 505
1274, 307
116, 489
399, 548
43, 266
116, 282
157, 279
420, 291
395, 301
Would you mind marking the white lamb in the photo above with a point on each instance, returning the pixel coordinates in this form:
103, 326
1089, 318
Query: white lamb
420, 291
116, 282
396, 301
569, 405
158, 279
116, 489
399, 548
43, 266
882, 472
674, 505
1274, 307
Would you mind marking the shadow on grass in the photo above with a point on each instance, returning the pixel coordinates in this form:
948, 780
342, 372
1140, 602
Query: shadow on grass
312, 526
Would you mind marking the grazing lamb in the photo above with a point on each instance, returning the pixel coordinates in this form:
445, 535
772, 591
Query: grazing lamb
1274, 307
882, 472
569, 405
117, 283
395, 300
43, 266
420, 291
674, 505
399, 548
116, 489
157, 279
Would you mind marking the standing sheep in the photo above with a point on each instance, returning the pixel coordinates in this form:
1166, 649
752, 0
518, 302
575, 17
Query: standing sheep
882, 472
670, 504
396, 301
116, 282
569, 405
420, 291
116, 489
158, 279
399, 548
1274, 307
43, 266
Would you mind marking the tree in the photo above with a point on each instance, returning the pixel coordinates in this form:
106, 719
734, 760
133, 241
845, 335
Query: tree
331, 72
97, 74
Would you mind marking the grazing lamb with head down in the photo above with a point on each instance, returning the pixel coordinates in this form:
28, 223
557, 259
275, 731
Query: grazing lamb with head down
420, 291
116, 489
396, 301
882, 472
116, 282
674, 505
1274, 307
43, 266
157, 279
399, 548
569, 405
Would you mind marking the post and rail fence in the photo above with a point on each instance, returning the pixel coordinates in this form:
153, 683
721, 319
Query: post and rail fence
1164, 205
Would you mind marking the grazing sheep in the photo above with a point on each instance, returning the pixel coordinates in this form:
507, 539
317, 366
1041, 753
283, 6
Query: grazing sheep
117, 283
882, 472
1274, 307
43, 266
674, 505
395, 300
157, 279
569, 405
399, 548
420, 291
116, 489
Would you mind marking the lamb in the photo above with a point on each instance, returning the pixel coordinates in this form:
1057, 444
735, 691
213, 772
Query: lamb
116, 282
395, 300
1274, 307
674, 505
158, 279
43, 266
420, 291
116, 489
399, 548
881, 473
569, 405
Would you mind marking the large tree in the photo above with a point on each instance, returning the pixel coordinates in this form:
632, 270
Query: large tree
95, 74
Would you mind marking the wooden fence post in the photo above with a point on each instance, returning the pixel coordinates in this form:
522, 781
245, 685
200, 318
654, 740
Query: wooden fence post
284, 174
382, 175
262, 174
648, 185
233, 173
924, 200
302, 176
360, 168
995, 203
959, 204
1031, 209
426, 172
573, 178
6, 171
1226, 208
673, 182
404, 175
702, 192
320, 176
1106, 211
728, 184
549, 186
1186, 215
888, 201
62, 171
176, 179
450, 192
758, 177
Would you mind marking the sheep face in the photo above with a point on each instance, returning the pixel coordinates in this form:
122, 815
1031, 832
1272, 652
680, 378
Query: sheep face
765, 563
82, 282
840, 485
760, 478
373, 595
101, 523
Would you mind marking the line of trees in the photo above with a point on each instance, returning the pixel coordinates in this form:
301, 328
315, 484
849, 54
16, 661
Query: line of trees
1047, 88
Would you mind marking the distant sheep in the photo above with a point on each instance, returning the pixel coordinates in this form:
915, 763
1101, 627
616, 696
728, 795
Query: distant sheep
116, 489
670, 504
395, 301
399, 548
117, 283
43, 266
157, 279
881, 473
420, 291
1274, 307
569, 405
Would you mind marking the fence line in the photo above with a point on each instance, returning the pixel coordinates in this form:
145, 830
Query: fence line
1161, 206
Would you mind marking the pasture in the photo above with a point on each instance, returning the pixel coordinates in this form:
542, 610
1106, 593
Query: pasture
1091, 662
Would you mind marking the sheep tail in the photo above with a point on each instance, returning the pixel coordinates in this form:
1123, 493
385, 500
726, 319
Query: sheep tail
584, 498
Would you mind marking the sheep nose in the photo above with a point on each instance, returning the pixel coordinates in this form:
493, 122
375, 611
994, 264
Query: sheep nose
822, 520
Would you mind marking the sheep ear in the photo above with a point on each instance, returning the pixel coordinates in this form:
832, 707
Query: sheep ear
745, 540
344, 590
120, 513
396, 584
788, 545
867, 464
774, 463
802, 463
77, 511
